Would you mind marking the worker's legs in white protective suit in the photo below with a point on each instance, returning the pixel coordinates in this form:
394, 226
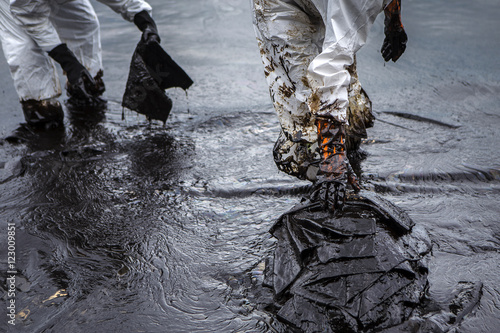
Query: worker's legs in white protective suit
289, 39
33, 71
308, 50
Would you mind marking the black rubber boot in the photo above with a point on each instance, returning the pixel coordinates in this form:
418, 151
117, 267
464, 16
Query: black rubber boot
335, 171
45, 114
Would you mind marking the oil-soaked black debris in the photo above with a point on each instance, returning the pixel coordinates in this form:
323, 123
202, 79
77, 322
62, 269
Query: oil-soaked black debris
434, 317
152, 71
361, 271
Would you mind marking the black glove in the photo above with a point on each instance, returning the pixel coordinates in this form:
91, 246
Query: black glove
73, 68
331, 195
394, 43
80, 81
147, 25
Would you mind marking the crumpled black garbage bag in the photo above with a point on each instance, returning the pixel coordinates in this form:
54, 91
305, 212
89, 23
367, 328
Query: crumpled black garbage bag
152, 71
361, 271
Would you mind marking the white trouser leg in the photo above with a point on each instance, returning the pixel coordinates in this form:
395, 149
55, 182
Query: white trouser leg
33, 72
77, 25
306, 48
347, 25
289, 39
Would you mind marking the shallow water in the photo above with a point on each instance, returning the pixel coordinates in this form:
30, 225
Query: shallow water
125, 226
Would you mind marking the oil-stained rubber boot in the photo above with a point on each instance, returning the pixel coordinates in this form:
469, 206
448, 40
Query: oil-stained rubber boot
296, 158
46, 113
335, 171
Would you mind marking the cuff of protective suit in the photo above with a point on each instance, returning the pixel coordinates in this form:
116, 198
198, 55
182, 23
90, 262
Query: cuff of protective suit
335, 117
47, 41
49, 47
133, 10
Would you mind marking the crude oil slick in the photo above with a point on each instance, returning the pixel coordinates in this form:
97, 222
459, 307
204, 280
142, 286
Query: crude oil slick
123, 225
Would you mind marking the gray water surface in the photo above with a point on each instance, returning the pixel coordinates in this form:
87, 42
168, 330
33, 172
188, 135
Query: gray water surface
127, 226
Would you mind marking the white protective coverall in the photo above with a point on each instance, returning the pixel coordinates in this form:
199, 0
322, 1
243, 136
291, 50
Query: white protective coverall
31, 28
308, 50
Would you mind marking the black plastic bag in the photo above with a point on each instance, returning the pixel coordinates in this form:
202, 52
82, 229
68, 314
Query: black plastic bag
364, 270
152, 71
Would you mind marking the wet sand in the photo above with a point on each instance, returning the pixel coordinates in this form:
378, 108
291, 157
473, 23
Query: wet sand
122, 225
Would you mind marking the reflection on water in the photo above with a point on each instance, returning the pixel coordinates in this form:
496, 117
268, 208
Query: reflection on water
126, 226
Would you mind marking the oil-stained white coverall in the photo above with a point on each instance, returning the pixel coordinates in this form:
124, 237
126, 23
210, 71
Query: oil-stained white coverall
308, 49
31, 28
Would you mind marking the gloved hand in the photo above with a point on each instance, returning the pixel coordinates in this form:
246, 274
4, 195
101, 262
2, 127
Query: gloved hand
395, 36
81, 82
394, 43
147, 25
331, 194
